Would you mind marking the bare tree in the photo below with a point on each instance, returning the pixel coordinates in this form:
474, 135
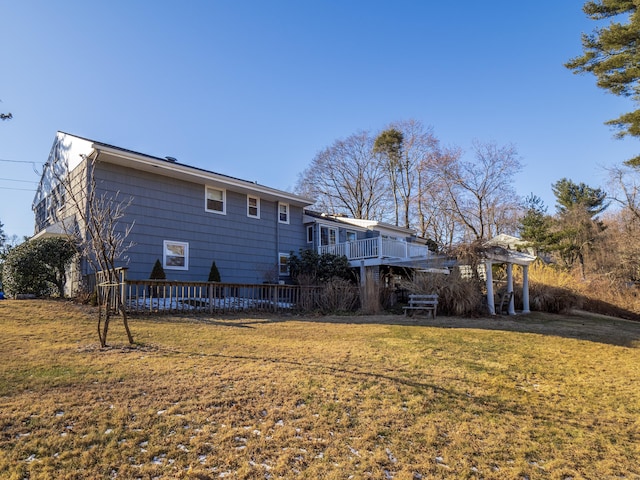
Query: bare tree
624, 183
93, 218
346, 178
433, 205
624, 225
481, 192
419, 155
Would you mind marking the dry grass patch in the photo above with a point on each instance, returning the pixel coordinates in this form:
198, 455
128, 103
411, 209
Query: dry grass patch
329, 397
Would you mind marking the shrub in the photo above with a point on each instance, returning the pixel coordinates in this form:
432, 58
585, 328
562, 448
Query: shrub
456, 295
338, 296
157, 273
547, 298
38, 267
318, 269
214, 274
23, 273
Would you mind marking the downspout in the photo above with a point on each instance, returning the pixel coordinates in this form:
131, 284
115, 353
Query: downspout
277, 218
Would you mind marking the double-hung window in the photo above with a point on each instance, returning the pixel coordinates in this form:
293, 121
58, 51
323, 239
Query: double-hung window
283, 264
283, 212
253, 207
215, 200
175, 255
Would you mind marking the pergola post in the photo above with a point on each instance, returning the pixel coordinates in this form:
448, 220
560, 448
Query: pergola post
512, 310
525, 289
489, 279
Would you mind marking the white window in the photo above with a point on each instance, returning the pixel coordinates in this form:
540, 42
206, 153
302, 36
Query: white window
310, 234
283, 212
351, 236
253, 207
175, 255
283, 263
328, 236
215, 200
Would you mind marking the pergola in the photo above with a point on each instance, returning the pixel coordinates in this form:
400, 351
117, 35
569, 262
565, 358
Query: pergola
501, 250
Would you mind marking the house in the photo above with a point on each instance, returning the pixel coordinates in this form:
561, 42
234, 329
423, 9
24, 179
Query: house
188, 217
185, 216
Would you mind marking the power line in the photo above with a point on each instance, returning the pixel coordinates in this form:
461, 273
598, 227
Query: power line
21, 189
15, 180
16, 161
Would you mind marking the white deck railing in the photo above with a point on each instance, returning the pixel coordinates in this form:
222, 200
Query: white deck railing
376, 248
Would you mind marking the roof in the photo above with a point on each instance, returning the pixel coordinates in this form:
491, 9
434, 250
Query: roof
362, 223
507, 241
504, 248
171, 167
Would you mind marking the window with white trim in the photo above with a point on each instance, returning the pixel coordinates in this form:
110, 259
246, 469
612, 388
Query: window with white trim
310, 234
215, 200
328, 235
283, 264
253, 207
351, 236
175, 255
283, 212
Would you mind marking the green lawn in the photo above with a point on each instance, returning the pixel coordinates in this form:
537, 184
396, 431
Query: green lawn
536, 396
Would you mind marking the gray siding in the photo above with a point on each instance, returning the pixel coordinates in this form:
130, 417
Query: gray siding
245, 249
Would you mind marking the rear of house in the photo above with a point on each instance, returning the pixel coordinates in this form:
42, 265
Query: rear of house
184, 216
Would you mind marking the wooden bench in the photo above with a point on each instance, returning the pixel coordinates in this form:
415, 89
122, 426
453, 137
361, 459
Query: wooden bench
428, 303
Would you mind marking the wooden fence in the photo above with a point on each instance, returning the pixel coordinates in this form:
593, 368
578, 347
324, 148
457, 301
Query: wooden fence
166, 296
140, 297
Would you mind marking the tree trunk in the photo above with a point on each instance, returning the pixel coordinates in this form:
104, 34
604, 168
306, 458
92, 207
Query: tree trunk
126, 324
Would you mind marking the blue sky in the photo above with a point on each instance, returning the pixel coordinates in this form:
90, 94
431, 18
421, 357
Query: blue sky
254, 89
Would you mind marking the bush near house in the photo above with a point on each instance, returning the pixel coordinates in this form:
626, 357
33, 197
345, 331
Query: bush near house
157, 273
310, 267
456, 295
38, 267
214, 273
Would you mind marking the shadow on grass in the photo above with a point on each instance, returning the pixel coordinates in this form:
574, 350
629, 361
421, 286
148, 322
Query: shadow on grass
579, 325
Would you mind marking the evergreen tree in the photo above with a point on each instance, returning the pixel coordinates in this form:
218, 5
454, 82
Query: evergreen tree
214, 274
389, 145
535, 225
611, 53
577, 226
157, 273
570, 195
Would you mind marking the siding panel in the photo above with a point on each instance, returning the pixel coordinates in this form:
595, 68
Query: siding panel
244, 248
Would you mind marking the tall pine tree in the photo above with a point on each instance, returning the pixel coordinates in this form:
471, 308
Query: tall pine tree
611, 53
